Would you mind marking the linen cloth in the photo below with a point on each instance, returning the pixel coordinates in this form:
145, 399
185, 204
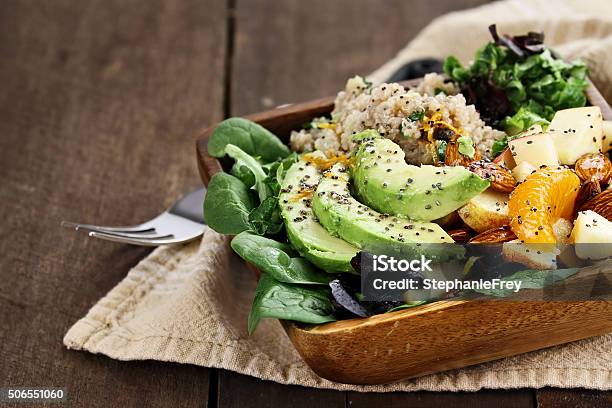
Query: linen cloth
189, 303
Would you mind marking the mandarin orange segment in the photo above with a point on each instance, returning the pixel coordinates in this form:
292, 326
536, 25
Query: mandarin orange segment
536, 204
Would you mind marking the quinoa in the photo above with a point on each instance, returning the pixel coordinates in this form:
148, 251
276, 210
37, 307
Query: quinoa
433, 84
398, 114
321, 136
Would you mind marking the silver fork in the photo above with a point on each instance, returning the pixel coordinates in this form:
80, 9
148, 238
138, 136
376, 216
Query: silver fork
180, 223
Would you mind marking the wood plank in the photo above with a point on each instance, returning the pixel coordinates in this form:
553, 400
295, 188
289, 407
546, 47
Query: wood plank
574, 398
484, 399
98, 110
296, 50
237, 391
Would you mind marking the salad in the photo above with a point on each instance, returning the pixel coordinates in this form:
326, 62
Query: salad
395, 169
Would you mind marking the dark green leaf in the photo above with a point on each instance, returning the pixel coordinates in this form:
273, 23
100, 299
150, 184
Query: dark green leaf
227, 204
276, 172
285, 301
242, 157
266, 218
275, 259
531, 279
242, 172
254, 139
248, 242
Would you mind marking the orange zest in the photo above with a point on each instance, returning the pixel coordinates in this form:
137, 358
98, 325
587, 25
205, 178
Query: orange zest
326, 163
304, 193
326, 125
429, 124
536, 204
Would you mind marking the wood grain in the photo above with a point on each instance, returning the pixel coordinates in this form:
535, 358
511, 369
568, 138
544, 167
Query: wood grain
237, 391
481, 399
295, 50
99, 104
553, 398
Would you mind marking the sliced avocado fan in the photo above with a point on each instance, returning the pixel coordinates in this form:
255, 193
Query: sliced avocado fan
345, 217
384, 181
305, 233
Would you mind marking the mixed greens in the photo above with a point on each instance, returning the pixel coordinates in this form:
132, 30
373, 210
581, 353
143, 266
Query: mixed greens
515, 82
247, 199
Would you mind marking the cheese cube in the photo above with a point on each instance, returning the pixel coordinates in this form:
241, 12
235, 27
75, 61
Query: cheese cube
592, 235
576, 132
531, 255
537, 150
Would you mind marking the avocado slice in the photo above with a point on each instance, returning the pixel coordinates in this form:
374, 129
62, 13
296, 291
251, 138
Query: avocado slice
345, 217
305, 233
384, 181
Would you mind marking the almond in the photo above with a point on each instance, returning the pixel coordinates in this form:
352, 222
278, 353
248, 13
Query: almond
601, 204
587, 191
494, 236
452, 156
594, 166
500, 177
460, 235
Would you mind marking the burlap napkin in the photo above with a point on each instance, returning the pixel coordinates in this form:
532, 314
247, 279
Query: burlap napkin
189, 304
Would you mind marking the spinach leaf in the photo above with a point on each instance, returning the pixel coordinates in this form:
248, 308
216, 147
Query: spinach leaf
227, 204
242, 172
531, 279
246, 243
254, 166
274, 299
286, 163
276, 172
274, 258
266, 218
248, 136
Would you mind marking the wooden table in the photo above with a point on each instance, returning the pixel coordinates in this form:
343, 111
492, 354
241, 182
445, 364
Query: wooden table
99, 105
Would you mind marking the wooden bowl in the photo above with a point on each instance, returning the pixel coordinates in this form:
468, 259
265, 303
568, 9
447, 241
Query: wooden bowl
433, 337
